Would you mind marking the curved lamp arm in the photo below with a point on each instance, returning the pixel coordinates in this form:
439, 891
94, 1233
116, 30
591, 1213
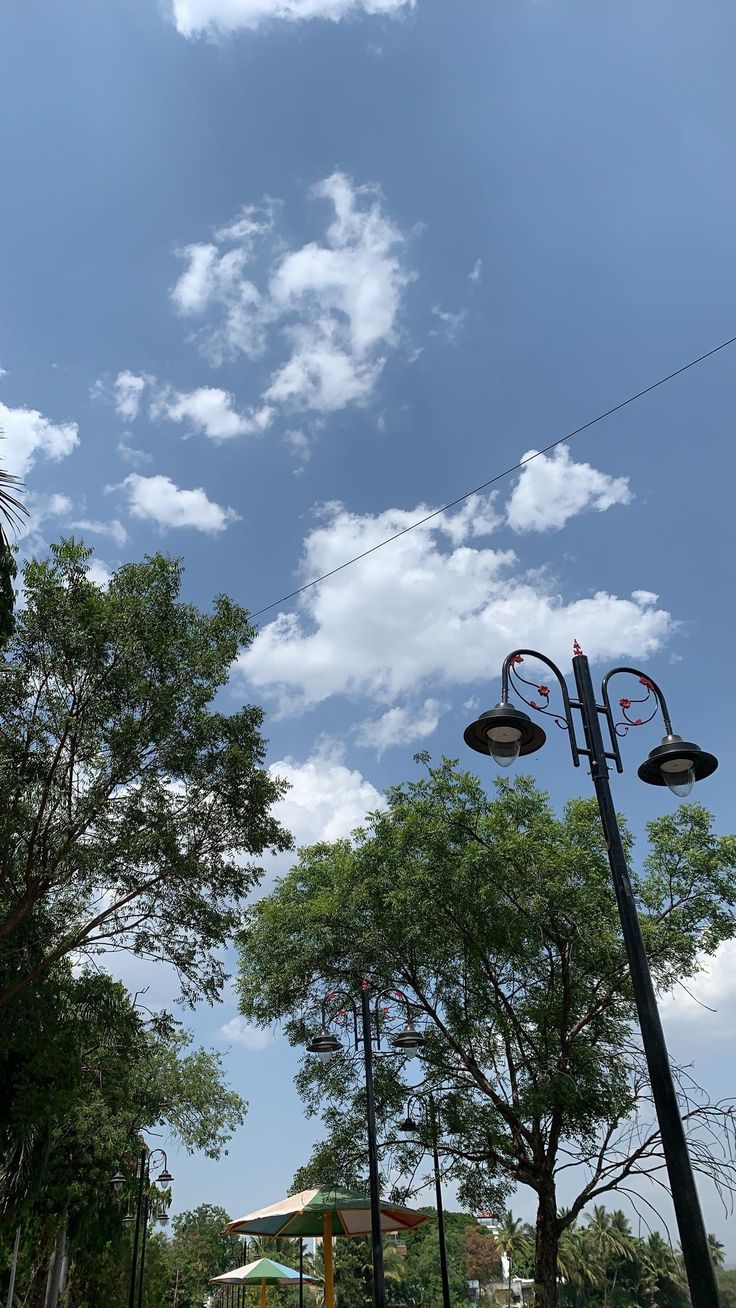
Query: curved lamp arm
650, 684
565, 719
618, 729
345, 999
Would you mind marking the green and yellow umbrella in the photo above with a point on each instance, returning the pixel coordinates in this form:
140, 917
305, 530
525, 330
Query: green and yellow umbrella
325, 1213
263, 1272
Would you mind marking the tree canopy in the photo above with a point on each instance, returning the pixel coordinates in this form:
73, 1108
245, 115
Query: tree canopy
134, 812
498, 921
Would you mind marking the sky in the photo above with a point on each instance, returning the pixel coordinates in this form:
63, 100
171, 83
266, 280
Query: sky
280, 277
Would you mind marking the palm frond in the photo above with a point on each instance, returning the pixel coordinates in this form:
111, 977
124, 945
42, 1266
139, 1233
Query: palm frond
12, 509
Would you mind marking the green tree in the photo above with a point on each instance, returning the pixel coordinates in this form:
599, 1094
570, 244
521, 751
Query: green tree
498, 921
199, 1251
352, 1272
87, 1071
727, 1288
133, 813
423, 1263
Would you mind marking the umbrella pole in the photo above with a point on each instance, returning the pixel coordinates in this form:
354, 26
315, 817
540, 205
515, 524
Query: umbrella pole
327, 1260
263, 1294
301, 1271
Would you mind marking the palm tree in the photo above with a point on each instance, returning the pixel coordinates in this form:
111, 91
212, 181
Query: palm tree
578, 1263
663, 1281
12, 512
513, 1240
394, 1268
717, 1251
282, 1248
610, 1238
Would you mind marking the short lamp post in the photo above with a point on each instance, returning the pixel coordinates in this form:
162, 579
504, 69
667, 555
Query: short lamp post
152, 1168
366, 1032
506, 732
411, 1127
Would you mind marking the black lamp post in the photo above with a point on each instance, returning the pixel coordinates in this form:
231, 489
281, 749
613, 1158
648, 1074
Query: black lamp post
411, 1127
367, 1032
505, 733
148, 1162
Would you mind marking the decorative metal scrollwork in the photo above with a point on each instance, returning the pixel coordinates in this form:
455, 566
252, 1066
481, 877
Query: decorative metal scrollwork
625, 704
542, 689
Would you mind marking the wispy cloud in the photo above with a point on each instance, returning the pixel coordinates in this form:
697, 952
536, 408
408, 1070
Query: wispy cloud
222, 17
239, 1032
114, 529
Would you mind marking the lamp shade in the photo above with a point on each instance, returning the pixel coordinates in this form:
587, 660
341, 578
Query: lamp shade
324, 1043
676, 758
504, 728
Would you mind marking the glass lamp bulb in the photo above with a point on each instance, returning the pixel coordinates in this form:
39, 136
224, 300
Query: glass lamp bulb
504, 744
679, 776
325, 1055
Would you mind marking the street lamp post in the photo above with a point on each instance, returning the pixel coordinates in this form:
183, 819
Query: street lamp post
505, 733
410, 1127
367, 1032
148, 1161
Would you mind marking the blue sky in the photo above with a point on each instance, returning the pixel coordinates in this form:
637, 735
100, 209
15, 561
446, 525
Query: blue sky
278, 276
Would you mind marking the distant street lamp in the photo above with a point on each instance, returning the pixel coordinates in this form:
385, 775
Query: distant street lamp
148, 1162
367, 1032
411, 1127
506, 732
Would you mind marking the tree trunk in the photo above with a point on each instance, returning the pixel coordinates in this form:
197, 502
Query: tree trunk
545, 1254
54, 1284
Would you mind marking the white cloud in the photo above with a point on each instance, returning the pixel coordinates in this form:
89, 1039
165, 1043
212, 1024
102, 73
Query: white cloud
125, 392
552, 488
327, 800
159, 500
431, 610
221, 17
194, 288
331, 307
128, 391
98, 571
451, 323
241, 1032
114, 529
133, 457
40, 508
28, 436
3, 372
298, 442
399, 726
712, 988
210, 410
476, 272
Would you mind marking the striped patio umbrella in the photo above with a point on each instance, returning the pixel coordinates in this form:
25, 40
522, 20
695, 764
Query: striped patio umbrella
263, 1272
326, 1212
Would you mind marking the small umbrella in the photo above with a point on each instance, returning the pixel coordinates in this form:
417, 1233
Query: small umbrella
263, 1272
324, 1213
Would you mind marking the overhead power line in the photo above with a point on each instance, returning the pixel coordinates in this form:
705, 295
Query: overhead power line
662, 381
